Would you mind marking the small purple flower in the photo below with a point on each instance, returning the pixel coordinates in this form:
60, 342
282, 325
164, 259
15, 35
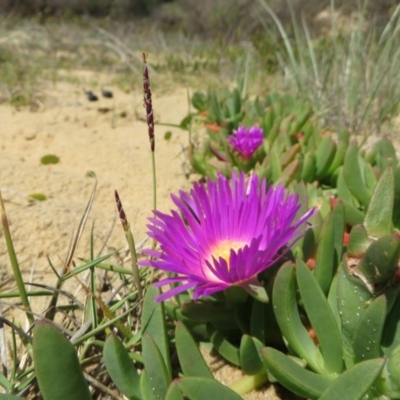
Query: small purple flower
224, 234
246, 140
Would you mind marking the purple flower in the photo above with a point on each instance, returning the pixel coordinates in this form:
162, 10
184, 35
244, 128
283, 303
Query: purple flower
246, 141
224, 234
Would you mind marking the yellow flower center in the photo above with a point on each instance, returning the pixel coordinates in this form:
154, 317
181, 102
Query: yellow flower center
223, 250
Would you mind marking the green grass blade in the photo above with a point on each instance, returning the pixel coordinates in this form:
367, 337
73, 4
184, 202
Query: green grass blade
14, 263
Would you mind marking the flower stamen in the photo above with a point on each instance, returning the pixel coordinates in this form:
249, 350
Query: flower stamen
223, 250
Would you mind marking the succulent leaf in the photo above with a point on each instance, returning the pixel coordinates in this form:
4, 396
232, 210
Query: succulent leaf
59, 377
378, 219
359, 242
288, 317
206, 312
223, 346
352, 296
354, 383
250, 360
203, 388
158, 378
353, 176
325, 154
330, 247
174, 392
153, 323
294, 377
190, 358
121, 369
379, 263
367, 336
321, 318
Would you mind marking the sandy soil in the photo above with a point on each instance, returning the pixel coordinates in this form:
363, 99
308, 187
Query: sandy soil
72, 128
115, 146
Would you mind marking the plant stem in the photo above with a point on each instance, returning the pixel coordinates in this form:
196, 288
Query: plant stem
14, 263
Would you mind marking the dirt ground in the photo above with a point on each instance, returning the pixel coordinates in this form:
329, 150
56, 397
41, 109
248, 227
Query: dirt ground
115, 146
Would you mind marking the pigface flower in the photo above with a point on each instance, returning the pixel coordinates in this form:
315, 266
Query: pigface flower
246, 140
224, 233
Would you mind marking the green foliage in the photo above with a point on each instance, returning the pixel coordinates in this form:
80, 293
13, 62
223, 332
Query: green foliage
348, 75
121, 369
38, 196
57, 365
49, 159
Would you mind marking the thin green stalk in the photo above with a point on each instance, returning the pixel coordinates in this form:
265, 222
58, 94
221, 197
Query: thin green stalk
114, 321
131, 245
15, 356
10, 295
148, 104
15, 265
153, 165
92, 299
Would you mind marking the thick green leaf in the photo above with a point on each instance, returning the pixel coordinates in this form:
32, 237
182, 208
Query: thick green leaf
353, 176
379, 263
355, 382
190, 358
393, 367
203, 388
121, 369
5, 382
352, 215
223, 346
339, 223
343, 191
174, 393
257, 321
327, 257
340, 152
386, 154
57, 367
153, 322
325, 154
369, 177
378, 219
396, 209
145, 387
367, 337
206, 312
359, 242
294, 377
288, 317
157, 374
322, 319
308, 168
391, 332
250, 359
352, 296
333, 301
